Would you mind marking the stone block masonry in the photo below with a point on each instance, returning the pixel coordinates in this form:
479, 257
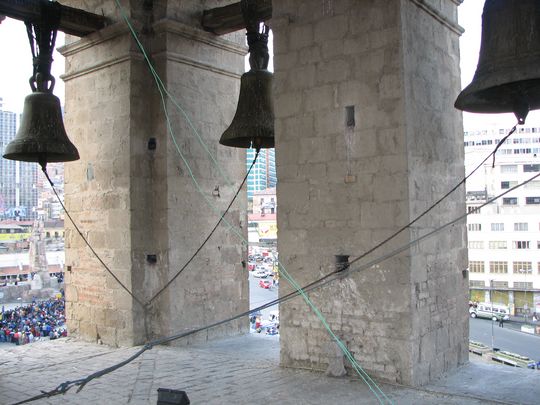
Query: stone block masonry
343, 186
343, 189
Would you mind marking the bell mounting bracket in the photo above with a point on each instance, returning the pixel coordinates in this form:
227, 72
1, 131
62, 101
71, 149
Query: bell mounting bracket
257, 37
42, 37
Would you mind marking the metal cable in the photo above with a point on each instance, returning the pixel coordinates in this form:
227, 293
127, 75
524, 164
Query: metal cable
43, 167
209, 235
64, 387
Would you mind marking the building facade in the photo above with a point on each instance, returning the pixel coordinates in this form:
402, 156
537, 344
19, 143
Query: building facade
504, 235
18, 180
49, 207
263, 175
262, 222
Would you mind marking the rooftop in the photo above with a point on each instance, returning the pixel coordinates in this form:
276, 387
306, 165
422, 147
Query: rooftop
239, 370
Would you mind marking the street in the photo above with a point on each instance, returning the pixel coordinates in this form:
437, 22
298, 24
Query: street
259, 296
506, 338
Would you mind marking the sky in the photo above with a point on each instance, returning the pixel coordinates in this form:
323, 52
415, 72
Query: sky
16, 66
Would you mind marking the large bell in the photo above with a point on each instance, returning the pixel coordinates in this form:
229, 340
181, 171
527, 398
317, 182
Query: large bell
507, 78
253, 123
41, 136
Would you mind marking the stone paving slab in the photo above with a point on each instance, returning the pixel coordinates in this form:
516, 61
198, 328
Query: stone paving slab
241, 370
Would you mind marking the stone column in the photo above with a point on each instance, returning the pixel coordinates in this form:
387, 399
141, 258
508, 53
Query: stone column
367, 138
141, 207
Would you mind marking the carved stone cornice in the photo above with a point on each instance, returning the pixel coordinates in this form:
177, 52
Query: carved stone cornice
106, 34
195, 34
440, 17
160, 27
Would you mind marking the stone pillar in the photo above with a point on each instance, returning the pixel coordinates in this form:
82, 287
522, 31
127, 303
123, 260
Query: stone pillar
137, 205
367, 138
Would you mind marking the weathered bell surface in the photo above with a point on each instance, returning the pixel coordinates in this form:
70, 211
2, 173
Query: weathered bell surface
41, 136
507, 78
253, 123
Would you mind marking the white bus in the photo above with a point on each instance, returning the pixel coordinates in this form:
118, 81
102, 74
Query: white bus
490, 311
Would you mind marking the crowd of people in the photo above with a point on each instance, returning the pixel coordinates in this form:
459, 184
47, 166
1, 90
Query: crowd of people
27, 323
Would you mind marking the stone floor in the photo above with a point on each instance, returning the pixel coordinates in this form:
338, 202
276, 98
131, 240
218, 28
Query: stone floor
241, 370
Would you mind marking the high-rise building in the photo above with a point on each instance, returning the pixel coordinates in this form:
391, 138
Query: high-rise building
504, 235
18, 180
263, 175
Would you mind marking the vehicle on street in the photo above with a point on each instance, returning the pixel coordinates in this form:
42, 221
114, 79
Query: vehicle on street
265, 284
490, 311
260, 274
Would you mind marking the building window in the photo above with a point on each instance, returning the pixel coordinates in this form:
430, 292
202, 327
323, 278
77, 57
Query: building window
521, 226
498, 244
510, 201
535, 184
531, 168
498, 267
497, 227
509, 169
475, 227
521, 244
522, 267
476, 266
532, 200
476, 244
507, 184
499, 284
476, 283
522, 285
473, 210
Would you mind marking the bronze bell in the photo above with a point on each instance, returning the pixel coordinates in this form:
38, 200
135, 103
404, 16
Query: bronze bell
507, 78
41, 136
253, 123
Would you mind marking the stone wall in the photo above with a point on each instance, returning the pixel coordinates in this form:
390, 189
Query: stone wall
344, 186
138, 207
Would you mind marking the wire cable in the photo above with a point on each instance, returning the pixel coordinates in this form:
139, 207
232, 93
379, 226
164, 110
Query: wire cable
209, 235
162, 89
230, 204
183, 267
64, 387
436, 203
43, 168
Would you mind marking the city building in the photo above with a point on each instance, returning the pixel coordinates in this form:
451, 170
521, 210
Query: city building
264, 201
262, 222
18, 180
49, 208
504, 235
263, 175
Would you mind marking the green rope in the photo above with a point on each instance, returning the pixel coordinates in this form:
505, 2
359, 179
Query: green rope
375, 389
163, 93
159, 82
